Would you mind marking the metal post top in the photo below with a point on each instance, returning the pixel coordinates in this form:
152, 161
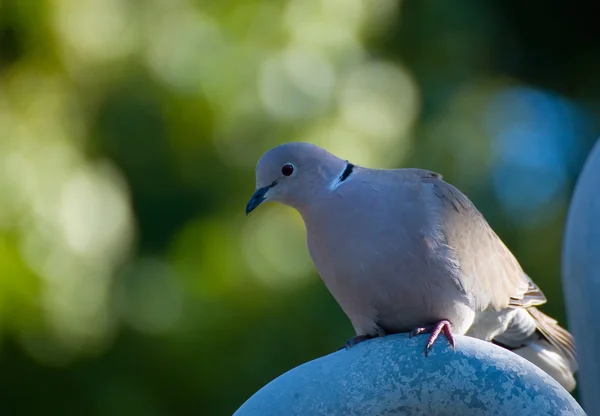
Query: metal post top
391, 375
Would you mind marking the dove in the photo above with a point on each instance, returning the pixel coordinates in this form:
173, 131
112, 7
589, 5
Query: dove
401, 250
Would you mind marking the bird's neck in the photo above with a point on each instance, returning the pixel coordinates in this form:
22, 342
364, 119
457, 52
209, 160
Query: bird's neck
328, 200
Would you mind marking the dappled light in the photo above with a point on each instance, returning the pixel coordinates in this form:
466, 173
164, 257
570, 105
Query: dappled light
275, 249
131, 281
536, 139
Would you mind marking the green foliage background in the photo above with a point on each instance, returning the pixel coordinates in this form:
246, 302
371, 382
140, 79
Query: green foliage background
130, 280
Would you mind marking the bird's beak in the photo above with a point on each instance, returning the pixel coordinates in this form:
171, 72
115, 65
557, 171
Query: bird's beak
258, 198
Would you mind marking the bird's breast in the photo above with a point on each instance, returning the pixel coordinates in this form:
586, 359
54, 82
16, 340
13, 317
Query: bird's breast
381, 261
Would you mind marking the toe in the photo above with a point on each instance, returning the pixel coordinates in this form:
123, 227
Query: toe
417, 331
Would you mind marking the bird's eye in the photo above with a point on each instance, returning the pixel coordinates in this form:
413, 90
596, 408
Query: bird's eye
287, 169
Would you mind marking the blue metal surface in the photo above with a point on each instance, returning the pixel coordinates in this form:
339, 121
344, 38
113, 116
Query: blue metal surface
391, 375
581, 278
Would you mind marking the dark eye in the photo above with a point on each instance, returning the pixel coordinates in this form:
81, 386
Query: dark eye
287, 169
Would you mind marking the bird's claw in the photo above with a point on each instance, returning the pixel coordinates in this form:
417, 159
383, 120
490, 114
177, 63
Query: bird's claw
442, 326
356, 340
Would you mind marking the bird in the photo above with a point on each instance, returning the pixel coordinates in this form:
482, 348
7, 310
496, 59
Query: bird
401, 250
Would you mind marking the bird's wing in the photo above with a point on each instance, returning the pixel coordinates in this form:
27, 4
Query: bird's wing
490, 272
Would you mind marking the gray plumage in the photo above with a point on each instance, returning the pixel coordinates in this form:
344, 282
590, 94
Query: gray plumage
400, 249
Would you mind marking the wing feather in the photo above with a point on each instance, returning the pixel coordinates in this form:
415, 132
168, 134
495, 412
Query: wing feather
491, 274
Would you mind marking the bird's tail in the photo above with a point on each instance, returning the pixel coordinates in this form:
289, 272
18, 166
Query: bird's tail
552, 350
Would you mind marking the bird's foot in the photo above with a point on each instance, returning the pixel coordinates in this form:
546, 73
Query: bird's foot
442, 326
360, 338
356, 340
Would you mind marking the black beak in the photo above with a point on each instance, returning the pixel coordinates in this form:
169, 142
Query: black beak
258, 198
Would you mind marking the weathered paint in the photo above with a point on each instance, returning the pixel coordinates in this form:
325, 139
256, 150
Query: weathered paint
391, 376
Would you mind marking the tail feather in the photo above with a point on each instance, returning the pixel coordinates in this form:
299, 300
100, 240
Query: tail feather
540, 340
544, 355
558, 337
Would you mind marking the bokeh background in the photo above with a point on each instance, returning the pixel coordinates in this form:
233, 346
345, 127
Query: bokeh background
131, 281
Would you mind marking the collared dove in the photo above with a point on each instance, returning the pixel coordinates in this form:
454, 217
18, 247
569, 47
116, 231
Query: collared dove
401, 250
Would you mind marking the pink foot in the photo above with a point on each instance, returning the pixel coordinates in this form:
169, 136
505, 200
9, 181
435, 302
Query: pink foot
441, 326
